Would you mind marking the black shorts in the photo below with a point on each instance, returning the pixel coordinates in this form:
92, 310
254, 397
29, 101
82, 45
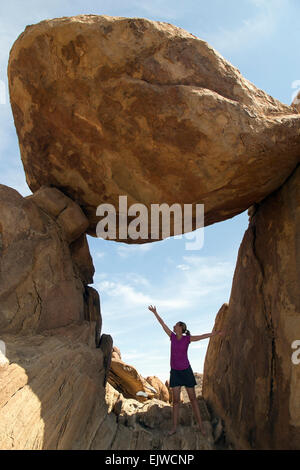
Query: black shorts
183, 377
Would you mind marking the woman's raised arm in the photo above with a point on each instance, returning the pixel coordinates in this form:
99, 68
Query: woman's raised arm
167, 330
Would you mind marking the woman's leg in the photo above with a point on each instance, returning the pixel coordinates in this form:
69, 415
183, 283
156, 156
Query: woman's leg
176, 402
192, 396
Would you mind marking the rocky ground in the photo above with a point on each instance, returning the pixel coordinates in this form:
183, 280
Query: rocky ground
153, 419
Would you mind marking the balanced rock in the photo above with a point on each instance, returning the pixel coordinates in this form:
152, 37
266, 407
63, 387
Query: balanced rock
108, 106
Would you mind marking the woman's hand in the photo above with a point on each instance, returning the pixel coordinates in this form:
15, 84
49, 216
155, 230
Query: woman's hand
153, 309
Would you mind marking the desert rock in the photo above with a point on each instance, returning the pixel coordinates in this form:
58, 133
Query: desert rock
250, 380
126, 379
160, 387
107, 106
52, 397
40, 287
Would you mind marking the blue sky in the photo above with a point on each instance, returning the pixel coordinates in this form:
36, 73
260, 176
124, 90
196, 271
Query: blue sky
260, 38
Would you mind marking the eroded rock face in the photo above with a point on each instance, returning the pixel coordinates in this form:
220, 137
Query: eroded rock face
41, 283
154, 417
160, 387
126, 379
52, 397
296, 102
51, 393
107, 106
250, 380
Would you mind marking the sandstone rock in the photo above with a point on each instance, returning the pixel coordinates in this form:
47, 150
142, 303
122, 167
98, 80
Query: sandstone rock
51, 394
250, 380
39, 288
111, 396
52, 397
92, 311
162, 390
126, 379
108, 106
92, 305
116, 353
82, 259
296, 102
50, 200
156, 416
105, 344
67, 214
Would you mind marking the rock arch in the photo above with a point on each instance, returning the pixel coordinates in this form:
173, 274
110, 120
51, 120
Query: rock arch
109, 105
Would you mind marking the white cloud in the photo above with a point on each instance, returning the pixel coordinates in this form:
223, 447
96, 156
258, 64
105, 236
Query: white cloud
138, 279
183, 267
128, 295
126, 250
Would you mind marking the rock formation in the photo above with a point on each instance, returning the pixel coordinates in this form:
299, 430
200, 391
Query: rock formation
42, 282
162, 391
154, 416
296, 101
108, 106
126, 379
250, 380
52, 397
52, 375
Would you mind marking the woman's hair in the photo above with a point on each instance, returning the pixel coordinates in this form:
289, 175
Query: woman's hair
184, 330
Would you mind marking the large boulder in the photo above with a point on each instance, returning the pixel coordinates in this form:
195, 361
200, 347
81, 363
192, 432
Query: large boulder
108, 106
250, 378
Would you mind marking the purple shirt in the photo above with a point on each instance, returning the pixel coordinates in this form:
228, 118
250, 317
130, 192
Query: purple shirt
179, 359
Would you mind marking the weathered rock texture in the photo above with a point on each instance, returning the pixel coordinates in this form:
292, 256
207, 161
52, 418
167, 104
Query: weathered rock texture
43, 279
296, 101
249, 379
55, 364
51, 393
126, 379
160, 387
52, 397
107, 106
155, 416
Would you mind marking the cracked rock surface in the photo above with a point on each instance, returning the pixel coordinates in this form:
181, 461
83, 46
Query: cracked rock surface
52, 397
107, 106
249, 378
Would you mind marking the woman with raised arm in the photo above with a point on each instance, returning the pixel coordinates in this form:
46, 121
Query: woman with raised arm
181, 373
